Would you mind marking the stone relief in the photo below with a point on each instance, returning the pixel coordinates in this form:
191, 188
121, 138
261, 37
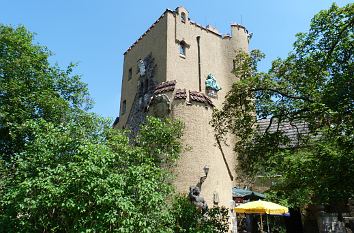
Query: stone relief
146, 87
150, 99
141, 67
159, 106
146, 70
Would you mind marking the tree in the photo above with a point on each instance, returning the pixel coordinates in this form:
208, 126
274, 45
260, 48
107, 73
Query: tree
187, 218
312, 86
31, 88
63, 183
63, 169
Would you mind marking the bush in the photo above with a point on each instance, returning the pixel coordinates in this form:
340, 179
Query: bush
190, 219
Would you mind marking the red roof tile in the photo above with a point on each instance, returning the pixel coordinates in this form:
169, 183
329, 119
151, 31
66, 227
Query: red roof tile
181, 94
200, 97
165, 87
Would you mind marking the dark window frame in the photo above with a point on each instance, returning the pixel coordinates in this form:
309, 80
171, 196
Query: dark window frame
124, 107
183, 17
182, 49
130, 73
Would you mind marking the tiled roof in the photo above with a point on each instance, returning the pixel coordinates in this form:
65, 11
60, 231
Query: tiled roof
165, 87
181, 94
210, 102
200, 97
293, 130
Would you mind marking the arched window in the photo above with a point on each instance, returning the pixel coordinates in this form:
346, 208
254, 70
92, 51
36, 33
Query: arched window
182, 49
183, 17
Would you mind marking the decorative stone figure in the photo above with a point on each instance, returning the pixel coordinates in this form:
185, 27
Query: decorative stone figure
159, 106
146, 86
141, 67
212, 86
196, 199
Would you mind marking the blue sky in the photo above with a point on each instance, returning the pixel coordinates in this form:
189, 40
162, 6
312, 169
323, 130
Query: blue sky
95, 34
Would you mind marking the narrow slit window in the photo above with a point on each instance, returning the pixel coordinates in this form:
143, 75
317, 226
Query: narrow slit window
183, 17
233, 65
141, 88
146, 89
182, 49
124, 107
130, 73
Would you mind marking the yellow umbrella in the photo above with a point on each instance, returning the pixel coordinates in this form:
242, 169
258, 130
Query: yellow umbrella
261, 207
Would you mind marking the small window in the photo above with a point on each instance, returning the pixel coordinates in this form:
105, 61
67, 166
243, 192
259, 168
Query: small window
141, 87
182, 49
146, 86
124, 107
183, 17
130, 73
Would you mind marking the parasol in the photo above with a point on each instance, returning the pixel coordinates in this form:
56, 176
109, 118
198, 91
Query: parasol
261, 207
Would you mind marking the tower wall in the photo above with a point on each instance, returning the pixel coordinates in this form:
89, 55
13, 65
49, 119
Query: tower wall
185, 69
154, 42
202, 150
216, 54
239, 37
212, 53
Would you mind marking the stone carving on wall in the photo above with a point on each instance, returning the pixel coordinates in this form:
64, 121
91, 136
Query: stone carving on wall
146, 83
196, 199
212, 86
159, 106
146, 87
141, 67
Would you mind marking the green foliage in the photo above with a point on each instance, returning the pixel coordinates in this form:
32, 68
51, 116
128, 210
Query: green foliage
190, 219
65, 183
313, 85
163, 143
63, 169
30, 88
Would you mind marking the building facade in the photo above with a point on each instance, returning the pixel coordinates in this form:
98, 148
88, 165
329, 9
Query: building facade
183, 70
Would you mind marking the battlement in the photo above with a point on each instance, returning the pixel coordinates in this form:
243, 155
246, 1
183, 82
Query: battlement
178, 12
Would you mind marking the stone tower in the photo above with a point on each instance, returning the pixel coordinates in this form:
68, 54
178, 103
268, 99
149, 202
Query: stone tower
181, 69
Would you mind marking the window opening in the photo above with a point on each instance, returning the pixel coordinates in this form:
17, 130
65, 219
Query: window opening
182, 49
183, 17
130, 73
146, 89
124, 107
